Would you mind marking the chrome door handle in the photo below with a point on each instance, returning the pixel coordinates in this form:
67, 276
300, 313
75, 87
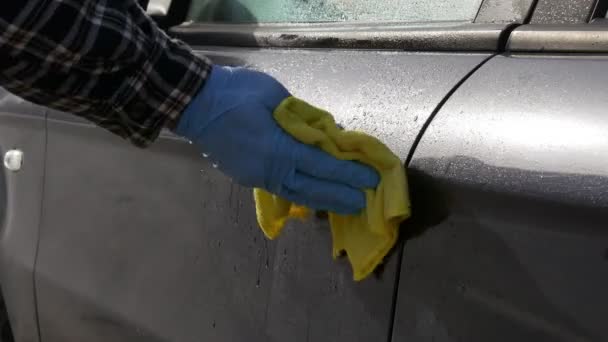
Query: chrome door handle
13, 160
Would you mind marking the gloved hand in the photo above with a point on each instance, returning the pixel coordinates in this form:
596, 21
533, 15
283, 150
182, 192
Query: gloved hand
231, 120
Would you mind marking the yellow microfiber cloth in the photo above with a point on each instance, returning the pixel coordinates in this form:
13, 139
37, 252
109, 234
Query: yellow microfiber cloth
366, 237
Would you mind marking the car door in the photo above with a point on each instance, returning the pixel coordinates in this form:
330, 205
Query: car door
157, 245
512, 175
22, 146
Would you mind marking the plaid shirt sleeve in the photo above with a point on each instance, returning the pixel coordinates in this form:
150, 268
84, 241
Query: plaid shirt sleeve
104, 60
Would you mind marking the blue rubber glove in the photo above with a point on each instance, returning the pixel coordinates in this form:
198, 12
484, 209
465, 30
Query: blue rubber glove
231, 120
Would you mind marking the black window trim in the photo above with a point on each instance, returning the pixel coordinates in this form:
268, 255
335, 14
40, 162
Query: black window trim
408, 37
600, 10
433, 36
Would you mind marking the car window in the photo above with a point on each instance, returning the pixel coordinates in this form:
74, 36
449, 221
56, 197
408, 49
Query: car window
303, 11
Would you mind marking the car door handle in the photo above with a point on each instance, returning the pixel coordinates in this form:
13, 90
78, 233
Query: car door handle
13, 160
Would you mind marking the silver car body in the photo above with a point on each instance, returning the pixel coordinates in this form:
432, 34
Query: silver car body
505, 135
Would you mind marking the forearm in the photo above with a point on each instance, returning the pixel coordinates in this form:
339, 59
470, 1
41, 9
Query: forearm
111, 64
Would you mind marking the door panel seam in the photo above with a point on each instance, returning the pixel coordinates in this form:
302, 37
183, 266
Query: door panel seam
441, 104
40, 220
426, 125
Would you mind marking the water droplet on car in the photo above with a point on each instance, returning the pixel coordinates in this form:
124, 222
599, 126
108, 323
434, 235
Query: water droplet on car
215, 165
257, 283
205, 155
